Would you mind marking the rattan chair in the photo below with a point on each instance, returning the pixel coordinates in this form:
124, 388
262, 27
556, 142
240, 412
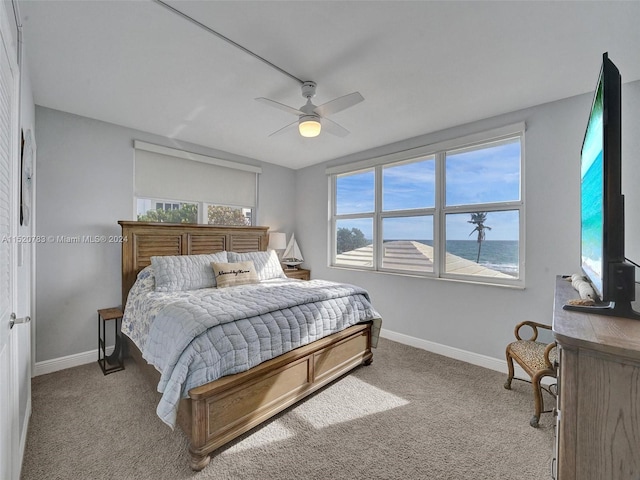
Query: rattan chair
538, 359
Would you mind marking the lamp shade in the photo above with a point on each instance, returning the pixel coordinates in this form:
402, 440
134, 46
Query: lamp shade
277, 241
309, 126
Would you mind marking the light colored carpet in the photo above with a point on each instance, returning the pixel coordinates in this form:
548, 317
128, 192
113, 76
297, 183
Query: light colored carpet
410, 415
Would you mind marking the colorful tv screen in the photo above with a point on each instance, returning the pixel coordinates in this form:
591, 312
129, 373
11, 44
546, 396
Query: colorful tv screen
592, 192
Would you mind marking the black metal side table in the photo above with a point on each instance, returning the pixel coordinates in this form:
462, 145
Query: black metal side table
115, 360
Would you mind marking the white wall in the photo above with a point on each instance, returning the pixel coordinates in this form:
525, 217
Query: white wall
479, 318
84, 186
631, 171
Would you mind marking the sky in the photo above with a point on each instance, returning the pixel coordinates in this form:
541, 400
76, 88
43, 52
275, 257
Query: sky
481, 175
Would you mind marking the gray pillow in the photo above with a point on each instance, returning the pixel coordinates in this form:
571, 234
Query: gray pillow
185, 272
267, 263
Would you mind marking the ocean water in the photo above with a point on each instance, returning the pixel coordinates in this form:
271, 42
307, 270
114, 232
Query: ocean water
500, 255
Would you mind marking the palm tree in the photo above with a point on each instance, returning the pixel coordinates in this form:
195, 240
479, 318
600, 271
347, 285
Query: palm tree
478, 220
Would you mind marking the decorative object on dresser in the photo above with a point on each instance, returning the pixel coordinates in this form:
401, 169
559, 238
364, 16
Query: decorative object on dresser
215, 413
538, 360
598, 406
300, 273
292, 256
115, 359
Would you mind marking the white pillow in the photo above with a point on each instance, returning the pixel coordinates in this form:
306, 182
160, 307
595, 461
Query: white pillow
267, 263
185, 272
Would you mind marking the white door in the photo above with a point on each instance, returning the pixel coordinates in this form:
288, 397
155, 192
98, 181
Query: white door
9, 397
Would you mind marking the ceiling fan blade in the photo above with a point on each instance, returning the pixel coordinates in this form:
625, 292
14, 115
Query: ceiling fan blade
333, 128
285, 129
280, 106
339, 104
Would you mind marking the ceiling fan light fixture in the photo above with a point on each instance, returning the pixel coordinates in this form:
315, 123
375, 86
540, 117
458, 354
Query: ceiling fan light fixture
309, 126
311, 118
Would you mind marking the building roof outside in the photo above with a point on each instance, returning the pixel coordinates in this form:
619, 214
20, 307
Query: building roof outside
414, 256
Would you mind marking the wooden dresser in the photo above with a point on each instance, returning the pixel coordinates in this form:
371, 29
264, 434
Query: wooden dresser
598, 418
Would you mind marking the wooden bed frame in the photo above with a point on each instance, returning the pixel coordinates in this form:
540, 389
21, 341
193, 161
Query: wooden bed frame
219, 411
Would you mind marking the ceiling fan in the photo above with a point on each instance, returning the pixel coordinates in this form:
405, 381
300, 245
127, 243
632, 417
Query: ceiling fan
311, 118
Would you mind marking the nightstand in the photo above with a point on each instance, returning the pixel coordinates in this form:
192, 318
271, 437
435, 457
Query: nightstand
300, 273
115, 360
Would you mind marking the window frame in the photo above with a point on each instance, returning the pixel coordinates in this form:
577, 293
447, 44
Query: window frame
439, 211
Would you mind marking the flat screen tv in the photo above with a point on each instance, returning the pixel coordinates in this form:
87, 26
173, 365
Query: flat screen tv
602, 203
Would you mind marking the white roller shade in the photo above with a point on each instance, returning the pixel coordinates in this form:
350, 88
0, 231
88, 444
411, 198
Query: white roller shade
171, 174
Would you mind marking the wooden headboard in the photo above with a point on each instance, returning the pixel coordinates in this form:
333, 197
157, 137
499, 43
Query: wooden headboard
145, 240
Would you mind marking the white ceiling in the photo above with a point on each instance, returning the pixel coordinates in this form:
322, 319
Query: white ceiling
421, 66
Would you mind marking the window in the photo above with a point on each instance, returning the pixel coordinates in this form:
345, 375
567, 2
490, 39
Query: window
181, 187
451, 210
407, 213
226, 215
167, 206
355, 206
482, 209
154, 210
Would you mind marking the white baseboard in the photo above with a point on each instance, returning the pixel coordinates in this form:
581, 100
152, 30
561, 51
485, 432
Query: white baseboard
459, 354
56, 364
62, 363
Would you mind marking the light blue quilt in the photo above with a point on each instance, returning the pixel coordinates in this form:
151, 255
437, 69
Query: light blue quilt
202, 335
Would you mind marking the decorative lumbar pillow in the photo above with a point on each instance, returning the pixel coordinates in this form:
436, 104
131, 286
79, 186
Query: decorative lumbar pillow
185, 272
267, 263
230, 274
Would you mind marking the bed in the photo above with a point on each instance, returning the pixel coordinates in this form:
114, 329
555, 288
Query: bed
220, 410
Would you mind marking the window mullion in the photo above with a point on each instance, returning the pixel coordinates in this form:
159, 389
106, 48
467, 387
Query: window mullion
488, 207
331, 240
203, 217
377, 221
408, 213
439, 244
348, 216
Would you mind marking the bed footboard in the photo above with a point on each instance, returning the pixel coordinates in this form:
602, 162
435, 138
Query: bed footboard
224, 409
